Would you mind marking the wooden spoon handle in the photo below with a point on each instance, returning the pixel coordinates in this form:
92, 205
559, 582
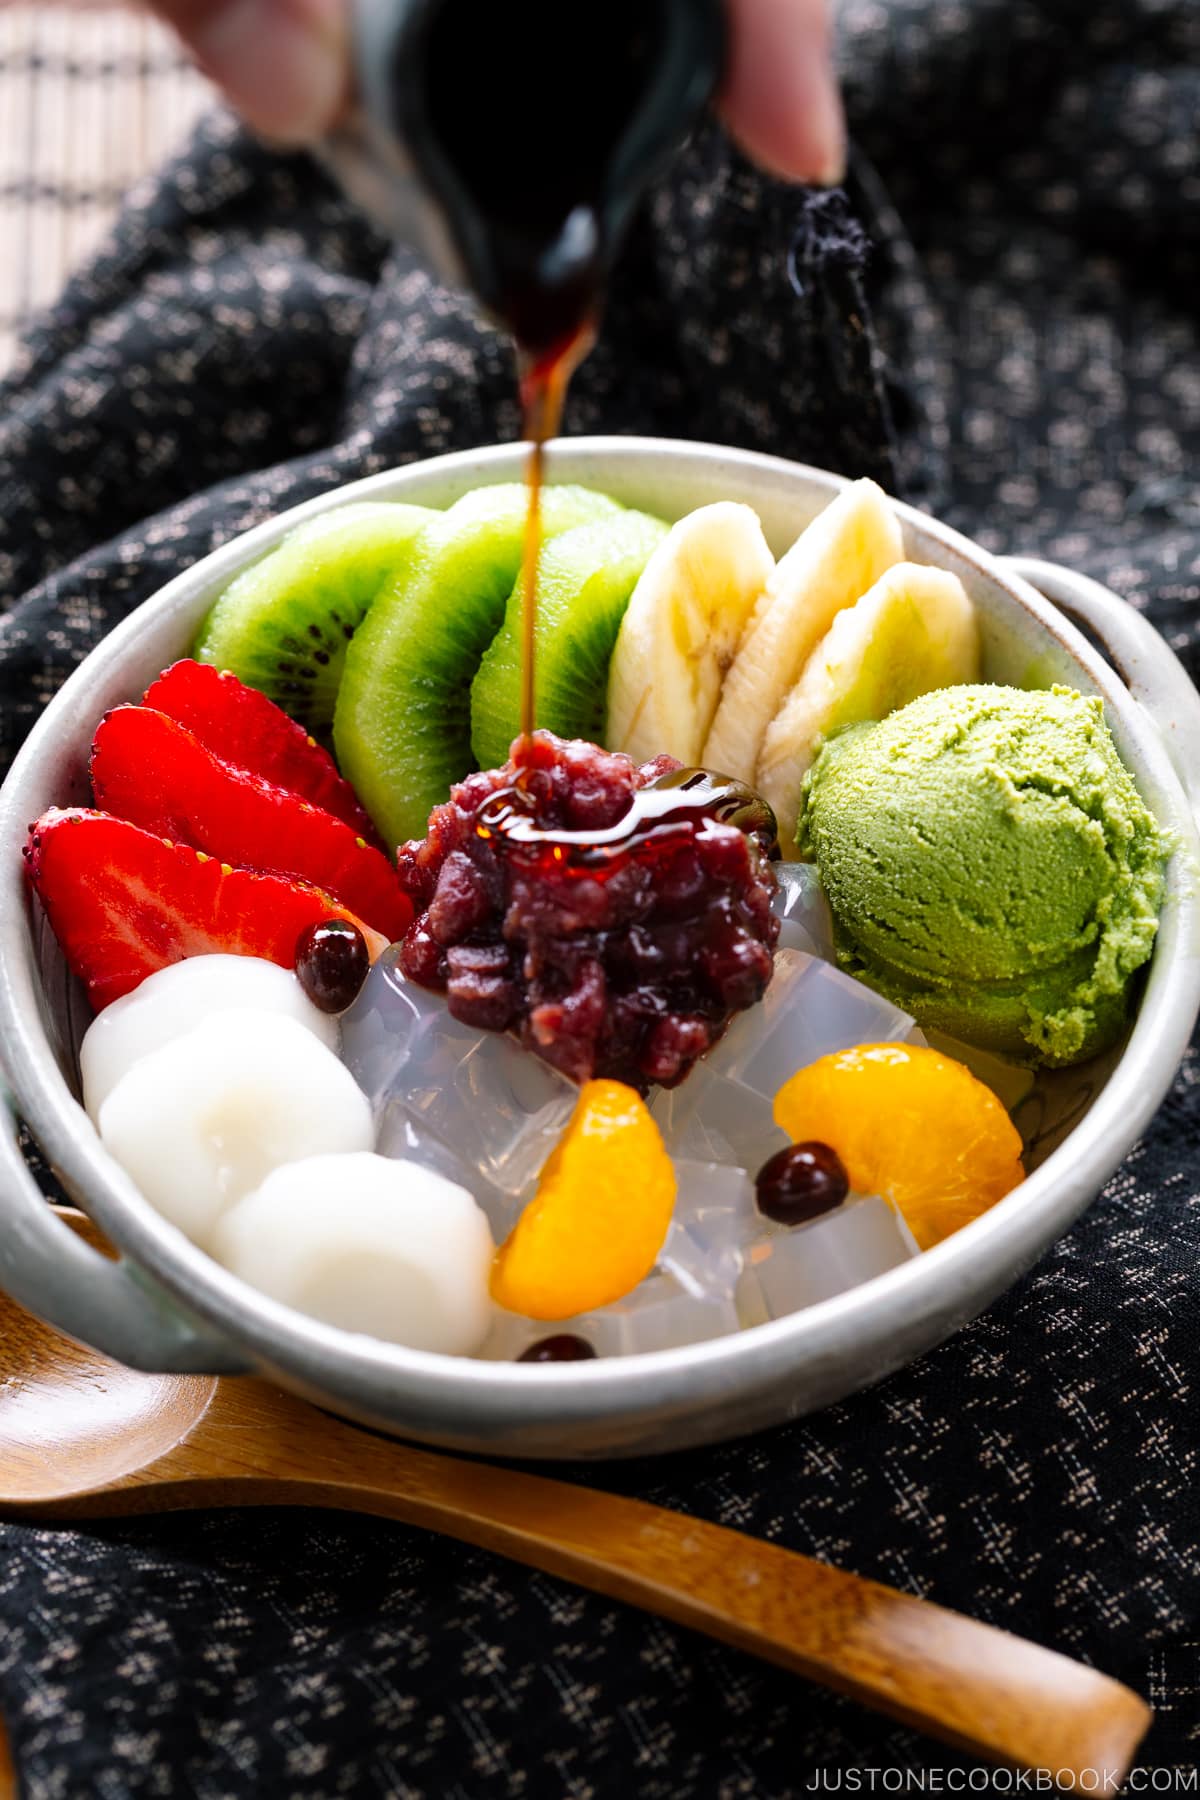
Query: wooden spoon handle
966, 1683
8, 1774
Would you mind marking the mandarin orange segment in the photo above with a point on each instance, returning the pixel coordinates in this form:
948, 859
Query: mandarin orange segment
912, 1125
597, 1222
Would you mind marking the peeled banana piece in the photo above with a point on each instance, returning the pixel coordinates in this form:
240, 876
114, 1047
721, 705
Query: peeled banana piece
681, 631
835, 559
914, 631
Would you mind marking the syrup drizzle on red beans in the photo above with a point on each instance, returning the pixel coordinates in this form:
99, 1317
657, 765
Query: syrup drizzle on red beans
614, 917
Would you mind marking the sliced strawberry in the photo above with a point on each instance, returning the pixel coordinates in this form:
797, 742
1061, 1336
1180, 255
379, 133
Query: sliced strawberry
244, 728
153, 772
123, 903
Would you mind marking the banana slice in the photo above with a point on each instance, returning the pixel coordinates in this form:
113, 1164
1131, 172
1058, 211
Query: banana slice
914, 631
681, 631
833, 561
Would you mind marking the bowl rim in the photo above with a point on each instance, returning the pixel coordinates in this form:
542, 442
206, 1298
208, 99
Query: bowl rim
953, 1279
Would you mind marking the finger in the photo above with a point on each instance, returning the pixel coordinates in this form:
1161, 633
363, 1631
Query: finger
779, 97
284, 64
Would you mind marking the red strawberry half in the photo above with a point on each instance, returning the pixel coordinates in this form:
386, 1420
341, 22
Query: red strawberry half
248, 731
148, 769
123, 903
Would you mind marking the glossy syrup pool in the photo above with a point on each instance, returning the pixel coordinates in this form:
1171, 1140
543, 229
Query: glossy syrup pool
662, 817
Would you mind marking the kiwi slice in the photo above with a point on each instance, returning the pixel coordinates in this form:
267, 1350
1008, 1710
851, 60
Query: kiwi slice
585, 579
402, 729
283, 624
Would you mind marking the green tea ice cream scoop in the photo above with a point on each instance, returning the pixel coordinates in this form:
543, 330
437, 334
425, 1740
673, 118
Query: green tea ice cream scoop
991, 866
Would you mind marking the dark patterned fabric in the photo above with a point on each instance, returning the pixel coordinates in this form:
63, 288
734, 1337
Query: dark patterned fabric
1030, 177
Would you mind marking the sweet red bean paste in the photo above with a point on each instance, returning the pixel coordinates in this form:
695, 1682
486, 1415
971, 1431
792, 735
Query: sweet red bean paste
614, 918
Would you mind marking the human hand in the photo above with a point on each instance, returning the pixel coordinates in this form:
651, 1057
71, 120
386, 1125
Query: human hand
284, 64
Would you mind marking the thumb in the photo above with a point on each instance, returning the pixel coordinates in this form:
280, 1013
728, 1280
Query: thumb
284, 64
780, 99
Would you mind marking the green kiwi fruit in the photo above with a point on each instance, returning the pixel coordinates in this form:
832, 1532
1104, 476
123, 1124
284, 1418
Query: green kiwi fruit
283, 624
402, 729
585, 579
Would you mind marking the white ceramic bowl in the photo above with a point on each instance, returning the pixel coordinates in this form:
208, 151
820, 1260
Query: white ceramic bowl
166, 1306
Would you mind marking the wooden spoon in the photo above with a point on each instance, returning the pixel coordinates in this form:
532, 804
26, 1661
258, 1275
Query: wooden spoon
81, 1436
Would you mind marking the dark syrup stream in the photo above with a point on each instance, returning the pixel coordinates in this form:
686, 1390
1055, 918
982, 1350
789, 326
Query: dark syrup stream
536, 162
544, 382
663, 816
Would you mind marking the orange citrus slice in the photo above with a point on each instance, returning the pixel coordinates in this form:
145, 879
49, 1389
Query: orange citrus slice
597, 1222
912, 1125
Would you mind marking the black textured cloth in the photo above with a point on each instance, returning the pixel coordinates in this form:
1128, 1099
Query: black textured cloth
998, 320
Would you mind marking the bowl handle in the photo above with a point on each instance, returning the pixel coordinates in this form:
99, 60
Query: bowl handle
1133, 647
50, 1271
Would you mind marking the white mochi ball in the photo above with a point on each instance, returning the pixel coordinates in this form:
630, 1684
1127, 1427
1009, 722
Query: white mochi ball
178, 998
371, 1244
203, 1120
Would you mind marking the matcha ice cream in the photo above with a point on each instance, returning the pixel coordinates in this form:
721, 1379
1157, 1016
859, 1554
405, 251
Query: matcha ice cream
991, 866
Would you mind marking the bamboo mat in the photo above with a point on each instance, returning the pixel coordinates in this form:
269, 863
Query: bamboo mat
89, 102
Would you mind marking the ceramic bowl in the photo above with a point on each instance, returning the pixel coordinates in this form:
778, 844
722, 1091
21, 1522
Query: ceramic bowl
167, 1306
